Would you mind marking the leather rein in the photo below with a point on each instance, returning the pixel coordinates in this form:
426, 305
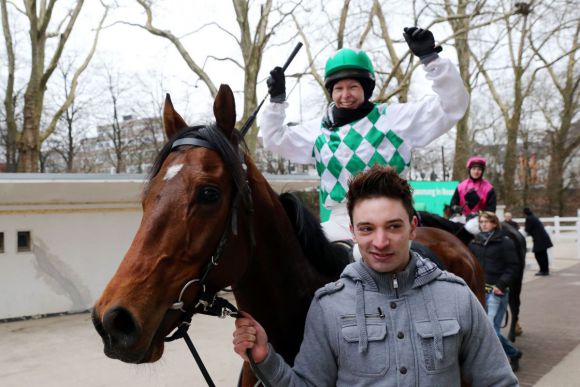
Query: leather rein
208, 302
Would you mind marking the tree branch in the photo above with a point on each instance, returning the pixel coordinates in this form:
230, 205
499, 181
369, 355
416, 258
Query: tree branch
74, 82
178, 45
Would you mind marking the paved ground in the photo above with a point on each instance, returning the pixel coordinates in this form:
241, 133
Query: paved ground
67, 352
550, 317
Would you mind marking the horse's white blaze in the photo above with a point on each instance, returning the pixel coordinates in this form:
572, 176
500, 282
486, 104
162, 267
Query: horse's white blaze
172, 171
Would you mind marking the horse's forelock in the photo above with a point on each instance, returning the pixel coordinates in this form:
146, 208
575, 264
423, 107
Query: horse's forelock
212, 134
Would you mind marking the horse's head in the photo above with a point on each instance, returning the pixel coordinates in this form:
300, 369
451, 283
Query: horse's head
189, 222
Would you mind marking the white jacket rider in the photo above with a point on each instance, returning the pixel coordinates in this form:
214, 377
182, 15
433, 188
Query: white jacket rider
355, 134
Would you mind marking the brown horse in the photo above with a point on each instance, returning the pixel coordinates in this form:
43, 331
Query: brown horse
211, 218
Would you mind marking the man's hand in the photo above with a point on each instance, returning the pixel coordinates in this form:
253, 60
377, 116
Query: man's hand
249, 334
277, 85
421, 43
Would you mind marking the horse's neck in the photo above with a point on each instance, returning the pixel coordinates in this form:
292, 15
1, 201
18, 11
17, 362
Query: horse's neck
277, 255
280, 282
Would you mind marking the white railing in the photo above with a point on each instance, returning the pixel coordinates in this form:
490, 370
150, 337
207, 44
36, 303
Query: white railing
561, 228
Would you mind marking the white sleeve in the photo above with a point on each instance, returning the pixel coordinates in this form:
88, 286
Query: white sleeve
419, 123
294, 142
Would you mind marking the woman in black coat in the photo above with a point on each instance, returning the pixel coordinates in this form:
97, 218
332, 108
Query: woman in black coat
498, 258
542, 241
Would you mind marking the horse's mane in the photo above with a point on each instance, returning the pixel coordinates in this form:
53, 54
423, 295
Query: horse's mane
329, 259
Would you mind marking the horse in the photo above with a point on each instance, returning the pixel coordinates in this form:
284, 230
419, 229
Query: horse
210, 221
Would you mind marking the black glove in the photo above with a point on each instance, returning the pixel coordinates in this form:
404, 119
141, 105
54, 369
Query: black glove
471, 198
277, 85
421, 43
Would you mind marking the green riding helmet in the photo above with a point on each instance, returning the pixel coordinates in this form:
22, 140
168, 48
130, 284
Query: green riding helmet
349, 63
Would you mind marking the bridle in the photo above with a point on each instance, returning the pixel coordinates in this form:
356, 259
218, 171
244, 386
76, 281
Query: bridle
208, 302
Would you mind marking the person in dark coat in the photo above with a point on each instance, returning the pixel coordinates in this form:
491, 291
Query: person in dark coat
497, 255
542, 241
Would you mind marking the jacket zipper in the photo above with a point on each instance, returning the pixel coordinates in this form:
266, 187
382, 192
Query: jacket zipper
396, 285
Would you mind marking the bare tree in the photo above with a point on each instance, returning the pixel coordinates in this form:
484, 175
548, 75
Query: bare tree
520, 62
114, 138
65, 140
561, 107
252, 44
39, 16
460, 19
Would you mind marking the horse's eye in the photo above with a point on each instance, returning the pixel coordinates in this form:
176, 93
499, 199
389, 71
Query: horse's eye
208, 195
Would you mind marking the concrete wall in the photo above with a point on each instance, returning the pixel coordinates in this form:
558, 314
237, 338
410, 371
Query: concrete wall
81, 226
80, 229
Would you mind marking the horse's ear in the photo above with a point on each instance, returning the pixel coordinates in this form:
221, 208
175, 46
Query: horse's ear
224, 110
172, 121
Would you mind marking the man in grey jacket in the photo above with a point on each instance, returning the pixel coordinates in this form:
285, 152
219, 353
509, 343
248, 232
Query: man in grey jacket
392, 319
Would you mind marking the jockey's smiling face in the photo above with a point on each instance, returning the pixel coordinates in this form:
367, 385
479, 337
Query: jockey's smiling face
382, 229
348, 94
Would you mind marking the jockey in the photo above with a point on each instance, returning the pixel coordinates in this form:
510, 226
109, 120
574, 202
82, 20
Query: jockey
475, 193
354, 133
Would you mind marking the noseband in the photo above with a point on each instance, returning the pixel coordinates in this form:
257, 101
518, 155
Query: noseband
208, 302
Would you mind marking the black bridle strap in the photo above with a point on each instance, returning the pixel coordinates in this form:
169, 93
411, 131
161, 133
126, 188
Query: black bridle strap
197, 142
209, 303
198, 360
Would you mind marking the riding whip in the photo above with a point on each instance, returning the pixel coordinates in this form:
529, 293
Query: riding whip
252, 117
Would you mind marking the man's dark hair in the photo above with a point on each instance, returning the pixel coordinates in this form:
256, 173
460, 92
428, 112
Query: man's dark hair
379, 182
527, 211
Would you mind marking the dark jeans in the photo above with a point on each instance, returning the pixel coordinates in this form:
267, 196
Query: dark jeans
542, 258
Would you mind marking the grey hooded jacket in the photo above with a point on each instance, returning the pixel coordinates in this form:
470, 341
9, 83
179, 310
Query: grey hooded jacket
419, 327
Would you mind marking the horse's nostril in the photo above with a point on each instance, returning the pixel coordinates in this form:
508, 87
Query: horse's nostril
121, 327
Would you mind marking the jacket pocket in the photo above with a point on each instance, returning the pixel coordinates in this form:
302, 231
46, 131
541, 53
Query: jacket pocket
372, 362
450, 332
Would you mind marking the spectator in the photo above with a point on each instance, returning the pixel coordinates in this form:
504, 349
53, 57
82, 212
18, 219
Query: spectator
541, 239
509, 220
497, 256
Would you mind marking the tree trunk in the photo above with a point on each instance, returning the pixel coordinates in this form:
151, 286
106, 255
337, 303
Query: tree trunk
250, 104
555, 183
460, 26
29, 141
462, 144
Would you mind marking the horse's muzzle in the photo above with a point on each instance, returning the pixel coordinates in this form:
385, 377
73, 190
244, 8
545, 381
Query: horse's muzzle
120, 333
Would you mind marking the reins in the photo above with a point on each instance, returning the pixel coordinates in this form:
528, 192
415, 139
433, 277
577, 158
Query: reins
209, 303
